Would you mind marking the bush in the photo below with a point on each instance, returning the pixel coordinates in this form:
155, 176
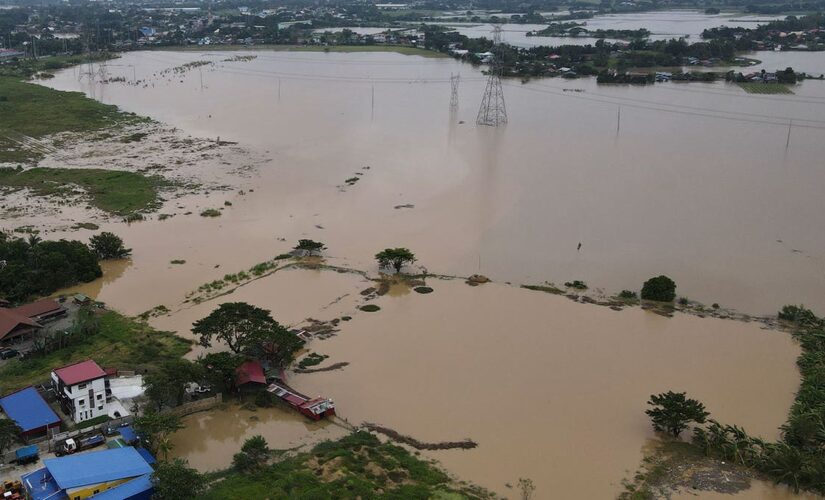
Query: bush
577, 284
211, 212
797, 314
660, 288
628, 295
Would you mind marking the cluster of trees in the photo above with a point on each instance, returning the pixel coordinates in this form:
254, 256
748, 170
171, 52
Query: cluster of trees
32, 266
768, 33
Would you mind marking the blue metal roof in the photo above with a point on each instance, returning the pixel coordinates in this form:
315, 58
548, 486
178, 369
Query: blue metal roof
40, 486
147, 456
128, 434
97, 467
28, 409
138, 488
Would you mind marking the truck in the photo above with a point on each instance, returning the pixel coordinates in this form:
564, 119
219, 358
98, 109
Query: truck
27, 455
73, 445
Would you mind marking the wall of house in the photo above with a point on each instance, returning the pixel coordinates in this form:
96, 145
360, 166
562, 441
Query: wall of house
88, 399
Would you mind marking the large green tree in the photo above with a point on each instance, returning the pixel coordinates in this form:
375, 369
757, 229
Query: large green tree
275, 345
175, 480
671, 412
309, 247
395, 258
108, 246
234, 323
220, 369
253, 456
166, 385
660, 288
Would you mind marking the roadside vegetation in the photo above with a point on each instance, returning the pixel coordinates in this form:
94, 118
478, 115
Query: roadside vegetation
115, 192
114, 340
798, 458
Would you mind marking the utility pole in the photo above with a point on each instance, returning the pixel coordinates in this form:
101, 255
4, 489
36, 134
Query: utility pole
788, 140
372, 103
618, 120
492, 112
279, 90
200, 72
454, 79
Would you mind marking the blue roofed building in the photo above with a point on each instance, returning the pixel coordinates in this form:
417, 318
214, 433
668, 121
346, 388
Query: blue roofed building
137, 489
88, 475
31, 412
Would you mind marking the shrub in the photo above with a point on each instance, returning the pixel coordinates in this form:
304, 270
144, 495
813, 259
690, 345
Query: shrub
660, 288
577, 284
628, 295
797, 314
211, 212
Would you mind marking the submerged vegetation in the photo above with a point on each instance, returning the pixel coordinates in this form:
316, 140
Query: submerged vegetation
113, 191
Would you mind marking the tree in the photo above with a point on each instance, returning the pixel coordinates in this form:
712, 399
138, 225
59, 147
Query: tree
672, 412
254, 455
234, 323
309, 247
274, 344
108, 246
660, 288
9, 433
166, 385
395, 258
220, 369
526, 487
175, 480
156, 427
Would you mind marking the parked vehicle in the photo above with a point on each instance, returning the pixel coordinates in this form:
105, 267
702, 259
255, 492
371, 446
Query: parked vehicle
8, 353
73, 445
27, 455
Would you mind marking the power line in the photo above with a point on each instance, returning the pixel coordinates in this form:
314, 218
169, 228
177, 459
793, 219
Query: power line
493, 112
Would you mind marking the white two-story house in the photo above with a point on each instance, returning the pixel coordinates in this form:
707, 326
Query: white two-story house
81, 389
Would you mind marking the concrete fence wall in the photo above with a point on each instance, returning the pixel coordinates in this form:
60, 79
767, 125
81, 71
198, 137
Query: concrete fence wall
196, 406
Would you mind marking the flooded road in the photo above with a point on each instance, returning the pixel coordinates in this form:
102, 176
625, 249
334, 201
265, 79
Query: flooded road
694, 181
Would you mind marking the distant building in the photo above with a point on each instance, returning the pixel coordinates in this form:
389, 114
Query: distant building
120, 473
30, 411
18, 322
81, 389
42, 311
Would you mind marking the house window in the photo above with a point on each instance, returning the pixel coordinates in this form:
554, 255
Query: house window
100, 408
100, 396
81, 402
81, 386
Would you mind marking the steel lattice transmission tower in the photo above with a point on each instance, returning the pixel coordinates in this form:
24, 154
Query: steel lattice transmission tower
492, 111
454, 79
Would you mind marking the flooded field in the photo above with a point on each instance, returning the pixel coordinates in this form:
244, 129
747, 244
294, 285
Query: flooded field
558, 388
694, 181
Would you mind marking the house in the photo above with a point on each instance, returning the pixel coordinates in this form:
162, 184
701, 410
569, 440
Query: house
82, 390
42, 311
250, 375
14, 326
31, 412
116, 473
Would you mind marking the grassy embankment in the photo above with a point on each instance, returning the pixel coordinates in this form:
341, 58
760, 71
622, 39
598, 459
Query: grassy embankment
121, 343
112, 191
356, 466
765, 88
400, 49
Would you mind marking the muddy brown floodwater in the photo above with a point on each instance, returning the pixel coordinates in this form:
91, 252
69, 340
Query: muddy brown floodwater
550, 389
696, 183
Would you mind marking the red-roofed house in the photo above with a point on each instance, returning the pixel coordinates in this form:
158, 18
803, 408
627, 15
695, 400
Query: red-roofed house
250, 374
14, 325
81, 389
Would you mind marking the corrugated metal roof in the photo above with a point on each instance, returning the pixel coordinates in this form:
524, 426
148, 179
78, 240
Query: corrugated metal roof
250, 371
130, 489
28, 409
80, 372
38, 308
9, 320
97, 467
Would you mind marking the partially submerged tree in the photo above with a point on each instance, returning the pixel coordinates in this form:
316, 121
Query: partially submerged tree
660, 288
175, 480
309, 247
166, 385
108, 246
673, 411
395, 258
276, 345
220, 369
234, 323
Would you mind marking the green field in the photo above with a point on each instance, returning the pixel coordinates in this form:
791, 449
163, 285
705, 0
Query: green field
121, 343
33, 111
765, 88
112, 191
357, 466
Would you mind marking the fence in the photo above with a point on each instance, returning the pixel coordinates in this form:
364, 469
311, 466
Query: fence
196, 406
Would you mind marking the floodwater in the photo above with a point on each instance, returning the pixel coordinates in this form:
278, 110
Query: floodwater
700, 181
556, 387
663, 25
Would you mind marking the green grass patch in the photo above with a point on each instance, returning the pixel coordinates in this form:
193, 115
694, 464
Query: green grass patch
121, 343
544, 288
112, 191
211, 212
312, 359
30, 110
363, 468
370, 308
765, 88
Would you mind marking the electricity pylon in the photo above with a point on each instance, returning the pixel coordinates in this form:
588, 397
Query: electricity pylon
454, 79
492, 111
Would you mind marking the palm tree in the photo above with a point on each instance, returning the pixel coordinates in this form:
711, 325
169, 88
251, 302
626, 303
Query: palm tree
33, 240
786, 464
165, 446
